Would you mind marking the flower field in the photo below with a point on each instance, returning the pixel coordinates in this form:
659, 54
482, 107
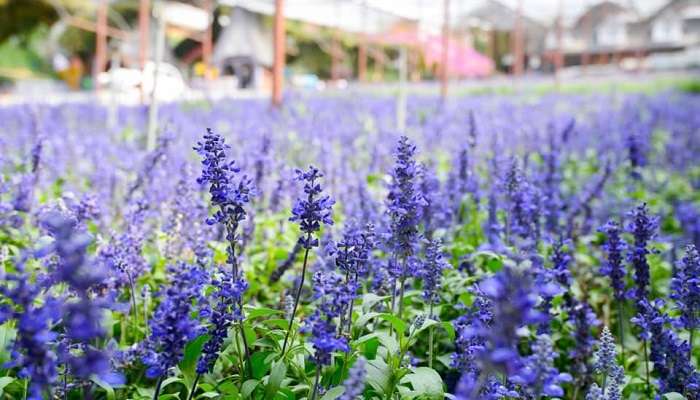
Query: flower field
499, 248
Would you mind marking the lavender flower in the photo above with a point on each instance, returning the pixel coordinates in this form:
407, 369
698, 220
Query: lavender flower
313, 211
333, 299
354, 384
685, 290
606, 364
81, 317
670, 355
226, 311
613, 267
431, 273
32, 350
540, 377
229, 195
404, 200
172, 325
643, 227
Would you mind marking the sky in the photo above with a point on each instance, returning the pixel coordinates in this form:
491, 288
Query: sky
430, 12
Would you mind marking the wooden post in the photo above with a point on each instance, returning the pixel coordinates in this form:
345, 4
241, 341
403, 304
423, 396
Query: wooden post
401, 97
144, 31
362, 48
279, 45
518, 56
444, 73
101, 43
207, 40
151, 134
559, 55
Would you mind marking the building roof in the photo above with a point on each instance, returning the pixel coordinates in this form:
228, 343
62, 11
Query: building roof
349, 16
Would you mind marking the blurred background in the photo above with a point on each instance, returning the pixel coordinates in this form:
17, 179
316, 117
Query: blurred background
138, 51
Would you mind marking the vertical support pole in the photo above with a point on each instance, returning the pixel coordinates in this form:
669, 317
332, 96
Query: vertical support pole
401, 98
160, 49
101, 43
559, 55
279, 45
112, 115
585, 57
362, 48
518, 56
144, 39
207, 40
335, 57
444, 71
144, 31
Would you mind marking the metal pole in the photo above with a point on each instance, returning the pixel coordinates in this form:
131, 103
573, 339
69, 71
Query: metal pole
207, 42
362, 49
518, 56
445, 49
144, 31
279, 45
160, 49
101, 43
559, 56
144, 38
401, 98
114, 64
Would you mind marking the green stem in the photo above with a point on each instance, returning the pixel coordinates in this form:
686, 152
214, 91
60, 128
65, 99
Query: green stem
431, 338
620, 319
157, 391
296, 297
646, 367
194, 387
318, 376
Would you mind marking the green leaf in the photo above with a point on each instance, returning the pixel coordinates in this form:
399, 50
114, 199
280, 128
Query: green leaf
674, 396
425, 382
7, 335
389, 342
277, 374
260, 367
450, 329
248, 387
188, 365
398, 325
370, 299
364, 319
378, 375
171, 380
333, 393
109, 390
4, 381
258, 312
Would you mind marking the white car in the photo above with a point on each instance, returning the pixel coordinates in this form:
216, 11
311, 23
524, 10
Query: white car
127, 82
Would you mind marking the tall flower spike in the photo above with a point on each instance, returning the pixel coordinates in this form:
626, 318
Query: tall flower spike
225, 312
685, 290
613, 267
313, 211
431, 273
31, 351
541, 377
82, 312
643, 228
354, 384
172, 325
333, 298
404, 200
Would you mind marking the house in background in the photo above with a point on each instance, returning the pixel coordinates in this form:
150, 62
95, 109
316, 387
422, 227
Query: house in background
491, 26
676, 24
611, 32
